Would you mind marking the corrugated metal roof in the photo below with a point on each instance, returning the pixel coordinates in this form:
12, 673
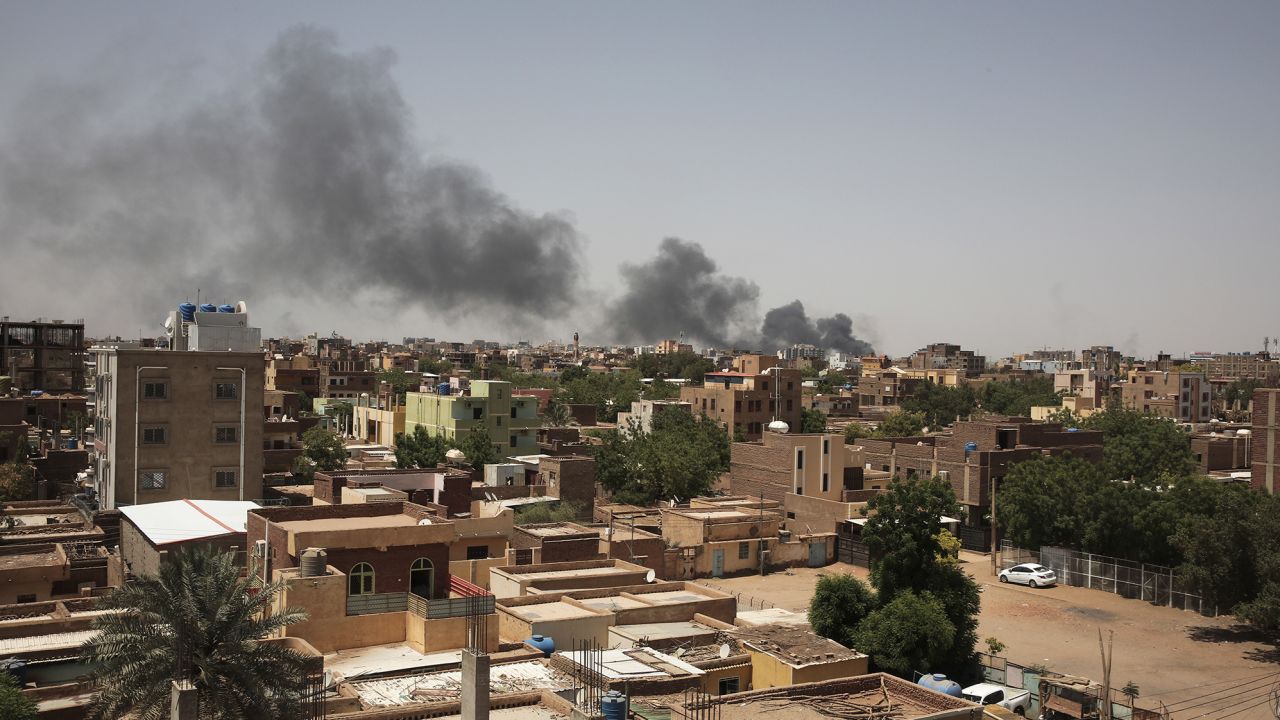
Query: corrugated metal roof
31, 643
182, 520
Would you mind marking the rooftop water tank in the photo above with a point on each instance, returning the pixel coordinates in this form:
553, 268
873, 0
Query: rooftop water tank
187, 311
1073, 429
613, 706
456, 455
442, 389
779, 426
226, 308
208, 307
543, 643
314, 562
939, 683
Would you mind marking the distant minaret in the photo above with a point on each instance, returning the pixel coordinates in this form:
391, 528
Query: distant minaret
577, 355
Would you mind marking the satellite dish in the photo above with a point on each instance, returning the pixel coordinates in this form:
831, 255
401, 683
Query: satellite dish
650, 576
724, 650
424, 521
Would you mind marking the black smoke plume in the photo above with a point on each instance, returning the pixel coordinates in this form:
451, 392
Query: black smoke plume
302, 178
681, 291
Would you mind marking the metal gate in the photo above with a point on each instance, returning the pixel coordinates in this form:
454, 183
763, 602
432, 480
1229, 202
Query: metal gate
817, 554
717, 563
852, 552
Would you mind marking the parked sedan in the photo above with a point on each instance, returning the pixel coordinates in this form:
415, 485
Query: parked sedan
1029, 574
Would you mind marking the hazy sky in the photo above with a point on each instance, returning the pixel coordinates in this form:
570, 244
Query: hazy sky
1002, 175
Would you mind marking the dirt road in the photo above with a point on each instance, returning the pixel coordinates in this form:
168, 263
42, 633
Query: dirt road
1205, 668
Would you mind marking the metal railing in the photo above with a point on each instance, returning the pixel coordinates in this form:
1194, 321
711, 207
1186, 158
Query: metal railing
450, 607
377, 603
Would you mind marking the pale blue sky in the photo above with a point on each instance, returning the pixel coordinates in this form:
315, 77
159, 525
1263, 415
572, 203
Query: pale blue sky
1002, 175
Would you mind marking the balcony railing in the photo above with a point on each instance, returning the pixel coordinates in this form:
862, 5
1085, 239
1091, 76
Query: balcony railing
450, 607
377, 603
475, 600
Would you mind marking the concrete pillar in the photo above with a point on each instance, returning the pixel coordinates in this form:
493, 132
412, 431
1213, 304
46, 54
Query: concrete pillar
184, 704
475, 685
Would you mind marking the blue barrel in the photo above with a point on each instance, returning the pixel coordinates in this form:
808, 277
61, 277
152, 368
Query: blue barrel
442, 389
208, 307
939, 683
543, 643
226, 308
613, 706
187, 311
1073, 429
71, 444
970, 447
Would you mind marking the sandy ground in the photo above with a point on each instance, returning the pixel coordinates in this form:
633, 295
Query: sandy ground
1206, 668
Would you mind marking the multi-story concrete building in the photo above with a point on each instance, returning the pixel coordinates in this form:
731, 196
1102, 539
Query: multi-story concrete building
945, 355
1182, 396
644, 411
43, 355
1241, 366
512, 420
1103, 360
185, 422
976, 455
746, 401
1264, 455
297, 374
886, 388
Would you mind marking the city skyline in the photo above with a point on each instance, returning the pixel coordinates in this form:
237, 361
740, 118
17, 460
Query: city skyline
975, 175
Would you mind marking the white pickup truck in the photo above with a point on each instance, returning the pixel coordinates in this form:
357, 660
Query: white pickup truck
1006, 697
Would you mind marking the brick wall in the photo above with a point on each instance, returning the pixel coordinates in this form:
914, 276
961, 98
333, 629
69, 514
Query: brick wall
571, 478
1265, 455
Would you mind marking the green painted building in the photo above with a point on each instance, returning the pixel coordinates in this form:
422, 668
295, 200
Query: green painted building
512, 420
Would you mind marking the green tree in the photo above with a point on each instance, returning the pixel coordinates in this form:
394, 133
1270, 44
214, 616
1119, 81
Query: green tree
839, 604
901, 424
812, 421
573, 373
832, 382
435, 366
681, 456
478, 448
17, 482
853, 432
557, 415
199, 598
961, 601
1219, 549
305, 405
420, 449
909, 634
1043, 501
399, 380
13, 704
660, 389
322, 450
1139, 446
539, 513
902, 531
939, 404
1016, 397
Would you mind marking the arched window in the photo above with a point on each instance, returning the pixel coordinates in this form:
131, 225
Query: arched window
422, 578
360, 580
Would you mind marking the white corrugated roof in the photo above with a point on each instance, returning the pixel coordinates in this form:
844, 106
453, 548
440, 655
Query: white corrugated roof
54, 641
182, 520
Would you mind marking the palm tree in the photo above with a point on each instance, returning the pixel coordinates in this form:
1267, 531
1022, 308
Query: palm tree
558, 415
198, 620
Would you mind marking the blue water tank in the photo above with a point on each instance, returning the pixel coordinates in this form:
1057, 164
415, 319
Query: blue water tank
613, 706
543, 643
71, 444
208, 307
970, 446
226, 308
939, 683
1073, 429
187, 311
442, 389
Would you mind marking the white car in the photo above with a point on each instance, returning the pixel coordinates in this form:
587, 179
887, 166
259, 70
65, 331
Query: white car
1029, 574
1006, 697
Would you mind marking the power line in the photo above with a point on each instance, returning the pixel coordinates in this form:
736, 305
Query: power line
1196, 687
1245, 697
1247, 707
1254, 681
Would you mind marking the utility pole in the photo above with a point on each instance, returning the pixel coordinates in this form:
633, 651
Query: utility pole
1104, 704
995, 548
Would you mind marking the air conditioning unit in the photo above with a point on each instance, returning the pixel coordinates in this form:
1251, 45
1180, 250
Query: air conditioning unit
259, 548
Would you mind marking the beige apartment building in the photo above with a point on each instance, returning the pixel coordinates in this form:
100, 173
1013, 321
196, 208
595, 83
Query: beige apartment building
1182, 396
174, 424
747, 400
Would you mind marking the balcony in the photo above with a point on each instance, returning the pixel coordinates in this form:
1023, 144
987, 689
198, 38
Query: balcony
470, 599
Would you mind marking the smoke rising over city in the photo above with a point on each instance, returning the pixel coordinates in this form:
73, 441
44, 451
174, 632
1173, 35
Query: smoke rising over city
303, 179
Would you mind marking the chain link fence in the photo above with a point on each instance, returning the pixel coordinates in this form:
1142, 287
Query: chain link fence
1156, 584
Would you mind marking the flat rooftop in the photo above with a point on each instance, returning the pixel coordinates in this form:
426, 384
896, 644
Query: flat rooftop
348, 523
45, 558
446, 685
773, 616
894, 697
575, 572
550, 611
664, 631
612, 604
380, 659
673, 597
556, 530
716, 514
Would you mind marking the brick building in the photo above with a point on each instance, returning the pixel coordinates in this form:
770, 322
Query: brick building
572, 478
1264, 455
945, 355
42, 355
886, 388
1182, 396
975, 455
746, 401
554, 542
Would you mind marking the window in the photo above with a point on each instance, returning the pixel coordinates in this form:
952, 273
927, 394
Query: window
224, 478
826, 482
826, 446
790, 385
728, 685
744, 550
477, 552
155, 390
422, 577
737, 406
765, 386
799, 458
477, 413
498, 420
514, 440
789, 405
152, 479
226, 434
154, 436
26, 598
791, 516
226, 391
513, 411
713, 403
360, 580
